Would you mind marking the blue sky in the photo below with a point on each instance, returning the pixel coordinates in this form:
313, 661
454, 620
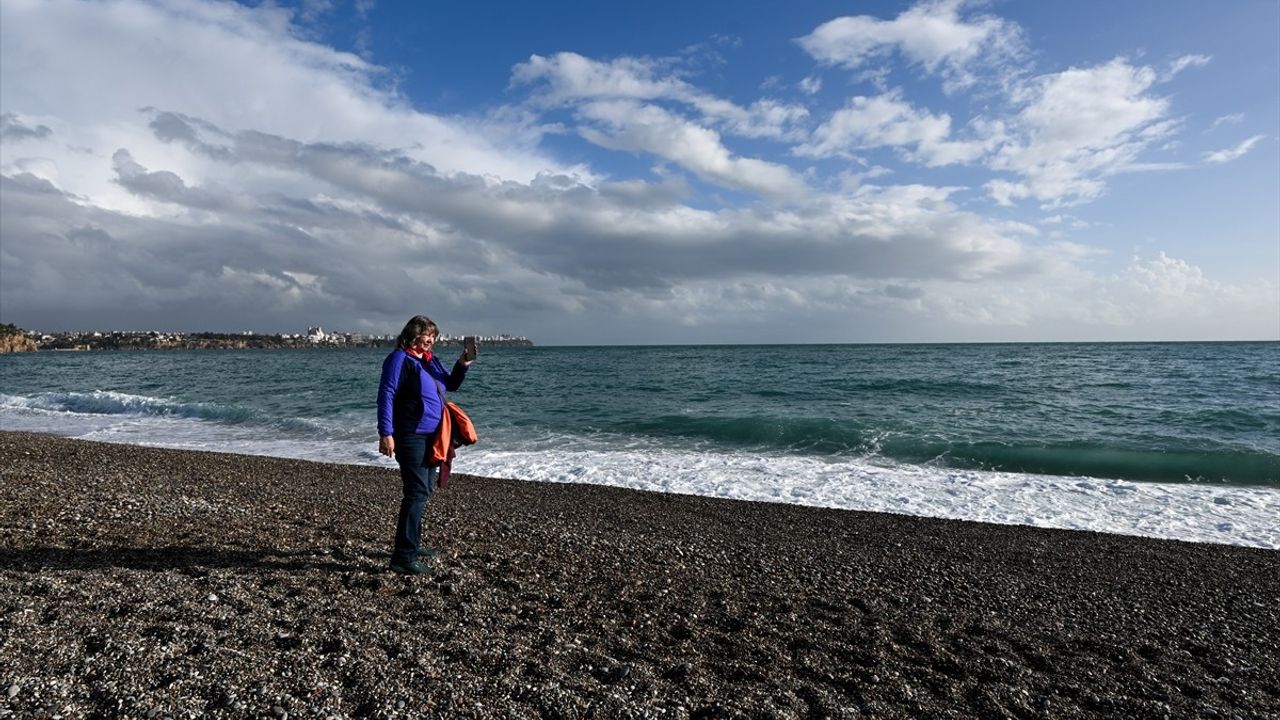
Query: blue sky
657, 172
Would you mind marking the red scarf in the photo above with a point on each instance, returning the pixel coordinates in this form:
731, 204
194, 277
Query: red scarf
424, 357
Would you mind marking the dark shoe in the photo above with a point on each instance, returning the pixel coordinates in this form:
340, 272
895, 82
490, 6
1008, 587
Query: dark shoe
413, 568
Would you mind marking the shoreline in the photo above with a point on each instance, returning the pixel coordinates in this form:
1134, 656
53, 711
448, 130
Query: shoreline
1217, 513
198, 583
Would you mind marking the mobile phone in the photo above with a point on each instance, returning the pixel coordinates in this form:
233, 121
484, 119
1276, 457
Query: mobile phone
469, 348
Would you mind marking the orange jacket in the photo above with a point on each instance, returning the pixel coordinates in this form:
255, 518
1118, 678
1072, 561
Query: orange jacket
455, 429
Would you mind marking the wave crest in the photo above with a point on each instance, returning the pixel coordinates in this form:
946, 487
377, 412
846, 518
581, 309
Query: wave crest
107, 402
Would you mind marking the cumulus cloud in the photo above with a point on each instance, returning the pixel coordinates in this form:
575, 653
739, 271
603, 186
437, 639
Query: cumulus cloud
1076, 127
231, 65
887, 120
651, 129
601, 235
640, 105
568, 78
1054, 139
1226, 155
1165, 296
367, 227
207, 166
932, 35
1067, 220
1152, 298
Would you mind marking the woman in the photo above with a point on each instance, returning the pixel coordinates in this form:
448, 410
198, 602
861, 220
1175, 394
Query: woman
411, 396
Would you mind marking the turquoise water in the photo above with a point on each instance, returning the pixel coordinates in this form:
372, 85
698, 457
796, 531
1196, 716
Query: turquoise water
972, 431
1166, 412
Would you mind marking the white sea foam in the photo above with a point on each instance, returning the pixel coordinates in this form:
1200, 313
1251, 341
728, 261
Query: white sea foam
1193, 512
1199, 513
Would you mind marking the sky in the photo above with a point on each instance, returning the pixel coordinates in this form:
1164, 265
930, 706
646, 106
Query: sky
645, 173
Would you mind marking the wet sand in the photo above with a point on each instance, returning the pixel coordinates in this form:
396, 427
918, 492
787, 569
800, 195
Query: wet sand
144, 582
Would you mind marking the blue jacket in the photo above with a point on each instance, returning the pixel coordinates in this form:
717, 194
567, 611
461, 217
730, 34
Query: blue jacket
409, 399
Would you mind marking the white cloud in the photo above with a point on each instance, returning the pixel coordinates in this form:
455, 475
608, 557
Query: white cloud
811, 85
1168, 297
314, 10
648, 128
930, 34
568, 78
1226, 155
1092, 107
348, 231
1069, 131
275, 182
1187, 61
1155, 298
1076, 127
231, 65
618, 106
887, 120
1226, 119
850, 180
1158, 298
1068, 220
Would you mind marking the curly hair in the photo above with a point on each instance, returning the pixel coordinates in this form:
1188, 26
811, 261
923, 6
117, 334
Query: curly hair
417, 325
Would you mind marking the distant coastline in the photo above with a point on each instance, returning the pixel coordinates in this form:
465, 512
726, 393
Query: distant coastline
14, 339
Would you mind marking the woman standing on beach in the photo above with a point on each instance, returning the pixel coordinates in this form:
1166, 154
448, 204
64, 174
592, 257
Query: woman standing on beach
410, 402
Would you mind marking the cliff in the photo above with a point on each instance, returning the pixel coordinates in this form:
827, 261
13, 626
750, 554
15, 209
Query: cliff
12, 339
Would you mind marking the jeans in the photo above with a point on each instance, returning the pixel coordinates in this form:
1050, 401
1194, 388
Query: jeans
412, 452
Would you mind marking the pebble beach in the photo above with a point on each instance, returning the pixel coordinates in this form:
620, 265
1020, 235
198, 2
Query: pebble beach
153, 583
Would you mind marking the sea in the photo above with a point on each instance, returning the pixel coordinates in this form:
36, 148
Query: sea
1166, 440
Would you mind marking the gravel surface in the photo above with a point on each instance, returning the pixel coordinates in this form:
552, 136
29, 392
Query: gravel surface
139, 582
